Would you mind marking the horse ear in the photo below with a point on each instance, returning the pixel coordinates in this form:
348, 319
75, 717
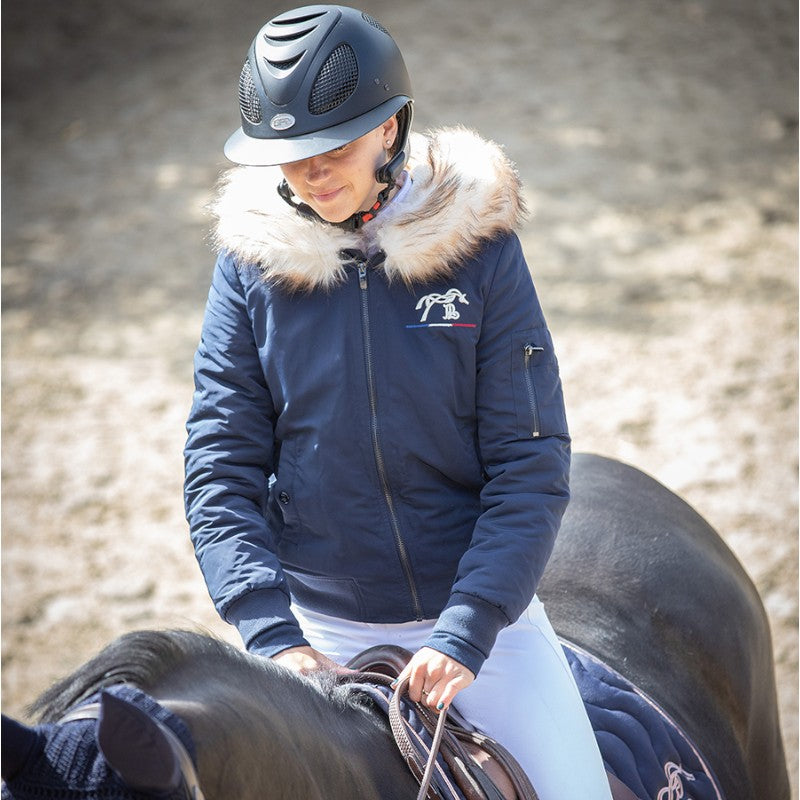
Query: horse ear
19, 744
134, 745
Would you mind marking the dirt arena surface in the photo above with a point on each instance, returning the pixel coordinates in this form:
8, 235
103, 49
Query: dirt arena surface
658, 146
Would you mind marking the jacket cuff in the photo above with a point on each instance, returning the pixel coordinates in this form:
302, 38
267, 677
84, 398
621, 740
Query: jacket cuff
467, 629
265, 622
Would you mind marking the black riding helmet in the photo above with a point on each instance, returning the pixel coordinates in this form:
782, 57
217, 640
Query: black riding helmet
315, 79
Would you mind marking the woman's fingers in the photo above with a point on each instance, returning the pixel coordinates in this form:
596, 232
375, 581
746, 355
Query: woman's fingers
434, 678
305, 660
441, 696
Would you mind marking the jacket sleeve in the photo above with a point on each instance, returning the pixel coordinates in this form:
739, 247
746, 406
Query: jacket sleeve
525, 453
228, 462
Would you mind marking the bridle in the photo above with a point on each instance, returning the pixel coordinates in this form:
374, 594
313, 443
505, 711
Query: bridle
189, 780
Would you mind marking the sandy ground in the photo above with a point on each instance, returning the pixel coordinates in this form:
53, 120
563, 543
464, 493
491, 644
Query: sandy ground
658, 145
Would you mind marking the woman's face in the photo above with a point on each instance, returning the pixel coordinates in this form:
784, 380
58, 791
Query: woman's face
342, 182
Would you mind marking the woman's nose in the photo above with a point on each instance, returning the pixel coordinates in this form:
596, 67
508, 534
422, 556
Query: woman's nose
316, 168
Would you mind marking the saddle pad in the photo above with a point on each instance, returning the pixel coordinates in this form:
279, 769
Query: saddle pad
638, 741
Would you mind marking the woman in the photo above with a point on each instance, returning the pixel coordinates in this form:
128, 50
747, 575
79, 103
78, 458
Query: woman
378, 449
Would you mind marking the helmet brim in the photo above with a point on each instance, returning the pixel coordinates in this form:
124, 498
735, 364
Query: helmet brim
251, 151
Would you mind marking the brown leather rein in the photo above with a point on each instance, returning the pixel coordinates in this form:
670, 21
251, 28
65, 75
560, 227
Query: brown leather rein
398, 730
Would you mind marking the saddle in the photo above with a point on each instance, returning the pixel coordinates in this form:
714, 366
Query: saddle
475, 766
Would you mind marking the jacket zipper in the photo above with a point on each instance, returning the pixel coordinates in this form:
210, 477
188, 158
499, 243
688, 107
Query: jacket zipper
530, 351
402, 552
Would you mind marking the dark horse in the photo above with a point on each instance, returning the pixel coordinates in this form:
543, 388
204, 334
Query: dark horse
637, 579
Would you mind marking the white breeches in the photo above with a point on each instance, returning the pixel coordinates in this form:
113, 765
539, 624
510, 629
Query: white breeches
524, 696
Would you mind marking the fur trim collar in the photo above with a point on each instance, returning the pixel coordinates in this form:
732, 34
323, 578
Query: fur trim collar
465, 192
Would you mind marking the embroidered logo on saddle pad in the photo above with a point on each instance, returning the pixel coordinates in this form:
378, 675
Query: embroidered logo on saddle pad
674, 789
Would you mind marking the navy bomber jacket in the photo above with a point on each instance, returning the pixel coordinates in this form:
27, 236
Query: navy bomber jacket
378, 428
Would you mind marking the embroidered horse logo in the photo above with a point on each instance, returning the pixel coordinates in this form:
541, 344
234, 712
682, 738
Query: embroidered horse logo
674, 789
447, 300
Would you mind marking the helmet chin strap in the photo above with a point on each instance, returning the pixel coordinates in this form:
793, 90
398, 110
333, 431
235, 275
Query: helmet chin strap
387, 174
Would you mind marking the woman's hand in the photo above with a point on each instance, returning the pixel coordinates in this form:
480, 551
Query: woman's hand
434, 678
305, 659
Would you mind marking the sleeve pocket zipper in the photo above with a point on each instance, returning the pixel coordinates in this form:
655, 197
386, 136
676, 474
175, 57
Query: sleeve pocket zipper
530, 351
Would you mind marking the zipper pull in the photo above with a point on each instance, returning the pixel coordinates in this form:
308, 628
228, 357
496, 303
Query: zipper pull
530, 350
362, 274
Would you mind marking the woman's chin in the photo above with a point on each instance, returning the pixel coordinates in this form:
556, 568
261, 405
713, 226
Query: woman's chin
335, 219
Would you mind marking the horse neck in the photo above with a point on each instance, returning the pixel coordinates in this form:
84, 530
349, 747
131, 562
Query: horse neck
287, 741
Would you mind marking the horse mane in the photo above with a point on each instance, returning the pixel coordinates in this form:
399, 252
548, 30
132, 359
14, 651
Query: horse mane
143, 658
245, 705
139, 658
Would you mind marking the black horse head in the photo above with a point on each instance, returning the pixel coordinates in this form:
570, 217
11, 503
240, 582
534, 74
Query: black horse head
252, 728
120, 744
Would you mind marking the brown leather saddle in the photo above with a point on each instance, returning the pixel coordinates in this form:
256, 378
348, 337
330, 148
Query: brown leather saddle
480, 767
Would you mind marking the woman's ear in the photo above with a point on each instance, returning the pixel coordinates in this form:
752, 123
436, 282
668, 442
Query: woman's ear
389, 130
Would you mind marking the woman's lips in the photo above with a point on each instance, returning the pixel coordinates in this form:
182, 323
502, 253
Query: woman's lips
325, 197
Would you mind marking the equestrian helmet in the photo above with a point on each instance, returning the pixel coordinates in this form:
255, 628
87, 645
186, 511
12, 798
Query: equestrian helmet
315, 79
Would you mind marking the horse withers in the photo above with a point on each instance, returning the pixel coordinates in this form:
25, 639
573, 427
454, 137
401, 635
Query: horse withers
637, 581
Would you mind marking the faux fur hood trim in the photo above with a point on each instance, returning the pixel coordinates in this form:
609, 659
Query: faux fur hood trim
465, 191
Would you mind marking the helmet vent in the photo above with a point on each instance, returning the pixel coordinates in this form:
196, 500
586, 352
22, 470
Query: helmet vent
286, 19
336, 81
374, 23
284, 66
248, 97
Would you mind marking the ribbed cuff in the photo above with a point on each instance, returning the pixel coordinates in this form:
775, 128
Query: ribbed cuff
265, 622
467, 629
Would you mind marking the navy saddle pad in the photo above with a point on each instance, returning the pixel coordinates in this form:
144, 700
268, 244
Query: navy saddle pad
639, 742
